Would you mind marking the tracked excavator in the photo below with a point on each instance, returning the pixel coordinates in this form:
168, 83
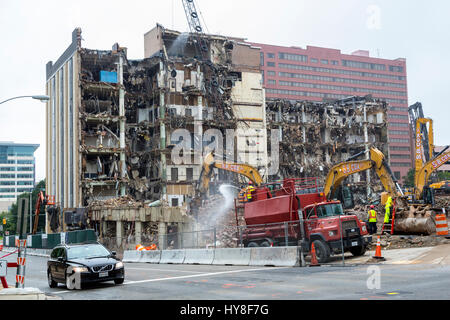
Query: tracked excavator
209, 163
337, 174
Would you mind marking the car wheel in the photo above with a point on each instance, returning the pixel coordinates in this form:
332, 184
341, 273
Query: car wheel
119, 281
252, 245
51, 283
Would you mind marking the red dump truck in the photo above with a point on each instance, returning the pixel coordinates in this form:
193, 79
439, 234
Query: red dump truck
296, 212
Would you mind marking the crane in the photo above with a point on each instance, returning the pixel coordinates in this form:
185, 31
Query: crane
195, 27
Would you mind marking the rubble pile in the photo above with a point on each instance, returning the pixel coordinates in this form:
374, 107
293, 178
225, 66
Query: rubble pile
125, 201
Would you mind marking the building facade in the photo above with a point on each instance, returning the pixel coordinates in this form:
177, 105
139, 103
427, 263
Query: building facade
17, 171
318, 74
112, 123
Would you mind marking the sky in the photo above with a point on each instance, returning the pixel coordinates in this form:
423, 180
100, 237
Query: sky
37, 31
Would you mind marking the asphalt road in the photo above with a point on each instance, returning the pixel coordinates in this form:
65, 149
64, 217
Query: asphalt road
203, 282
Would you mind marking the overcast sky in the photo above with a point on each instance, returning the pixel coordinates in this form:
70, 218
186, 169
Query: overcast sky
37, 31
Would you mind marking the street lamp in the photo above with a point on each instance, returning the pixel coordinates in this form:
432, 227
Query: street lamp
38, 97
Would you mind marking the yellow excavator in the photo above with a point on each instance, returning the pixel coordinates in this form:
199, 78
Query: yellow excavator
422, 191
339, 172
209, 163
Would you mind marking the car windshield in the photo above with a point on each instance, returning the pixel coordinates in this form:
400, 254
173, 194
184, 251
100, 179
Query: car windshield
89, 251
329, 210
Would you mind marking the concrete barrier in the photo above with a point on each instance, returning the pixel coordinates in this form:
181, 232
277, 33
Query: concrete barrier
199, 256
232, 256
274, 256
172, 256
131, 256
152, 256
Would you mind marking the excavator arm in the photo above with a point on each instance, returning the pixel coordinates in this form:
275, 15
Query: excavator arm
209, 164
431, 166
377, 161
426, 142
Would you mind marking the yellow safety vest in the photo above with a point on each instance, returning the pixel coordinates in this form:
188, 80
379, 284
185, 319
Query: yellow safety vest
249, 192
372, 216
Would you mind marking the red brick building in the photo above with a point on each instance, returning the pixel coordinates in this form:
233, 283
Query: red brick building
318, 73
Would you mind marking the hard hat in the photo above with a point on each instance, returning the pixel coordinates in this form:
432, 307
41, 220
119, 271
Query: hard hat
250, 182
372, 206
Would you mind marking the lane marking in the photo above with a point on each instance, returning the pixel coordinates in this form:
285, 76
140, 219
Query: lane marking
200, 275
173, 270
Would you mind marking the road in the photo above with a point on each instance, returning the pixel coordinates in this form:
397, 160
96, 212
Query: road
415, 280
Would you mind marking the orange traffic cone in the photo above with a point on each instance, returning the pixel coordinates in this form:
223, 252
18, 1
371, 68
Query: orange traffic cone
378, 250
314, 262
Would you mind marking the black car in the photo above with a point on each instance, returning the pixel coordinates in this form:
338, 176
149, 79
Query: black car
77, 264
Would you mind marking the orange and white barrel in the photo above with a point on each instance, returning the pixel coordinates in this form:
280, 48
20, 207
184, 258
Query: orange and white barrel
441, 225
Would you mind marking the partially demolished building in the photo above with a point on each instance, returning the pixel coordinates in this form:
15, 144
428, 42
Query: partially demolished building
317, 135
115, 126
126, 138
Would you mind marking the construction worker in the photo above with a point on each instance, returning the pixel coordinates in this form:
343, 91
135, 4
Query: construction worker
249, 191
387, 208
372, 217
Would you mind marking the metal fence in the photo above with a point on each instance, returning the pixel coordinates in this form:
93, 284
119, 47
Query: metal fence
290, 233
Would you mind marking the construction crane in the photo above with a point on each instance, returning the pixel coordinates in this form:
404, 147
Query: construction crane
195, 27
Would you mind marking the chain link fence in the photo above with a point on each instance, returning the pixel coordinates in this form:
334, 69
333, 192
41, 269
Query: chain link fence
291, 233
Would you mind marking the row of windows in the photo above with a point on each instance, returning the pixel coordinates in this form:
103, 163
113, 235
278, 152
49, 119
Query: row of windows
13, 190
400, 164
398, 109
400, 156
20, 175
5, 197
322, 95
18, 162
399, 140
398, 116
340, 71
293, 57
363, 65
399, 132
16, 169
345, 80
396, 148
339, 88
399, 124
306, 93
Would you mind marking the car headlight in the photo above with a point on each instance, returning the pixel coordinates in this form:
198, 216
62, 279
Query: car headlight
331, 233
364, 229
119, 265
80, 269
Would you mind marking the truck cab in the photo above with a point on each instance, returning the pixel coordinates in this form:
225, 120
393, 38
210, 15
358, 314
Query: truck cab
333, 232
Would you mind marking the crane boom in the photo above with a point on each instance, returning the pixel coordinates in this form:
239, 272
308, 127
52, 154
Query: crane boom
195, 26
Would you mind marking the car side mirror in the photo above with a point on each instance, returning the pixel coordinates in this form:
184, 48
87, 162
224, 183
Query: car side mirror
114, 253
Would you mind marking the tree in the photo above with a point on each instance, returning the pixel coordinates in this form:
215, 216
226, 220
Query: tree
409, 179
11, 216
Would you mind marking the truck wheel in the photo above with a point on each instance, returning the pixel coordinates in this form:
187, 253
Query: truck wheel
358, 251
265, 243
252, 245
322, 251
